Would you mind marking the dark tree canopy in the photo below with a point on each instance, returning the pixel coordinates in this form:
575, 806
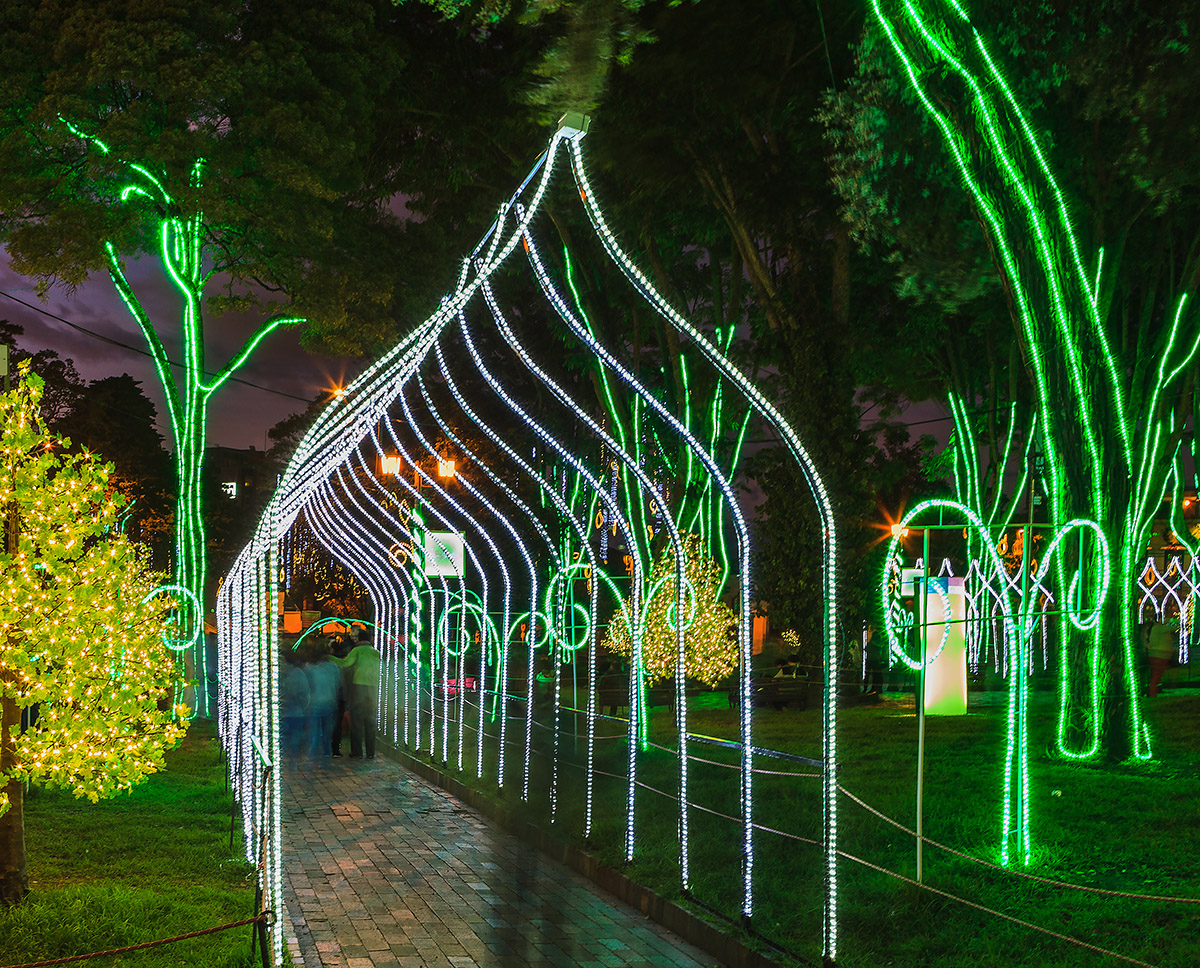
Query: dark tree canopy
283, 104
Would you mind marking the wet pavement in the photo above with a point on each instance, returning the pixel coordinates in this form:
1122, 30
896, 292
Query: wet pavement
383, 869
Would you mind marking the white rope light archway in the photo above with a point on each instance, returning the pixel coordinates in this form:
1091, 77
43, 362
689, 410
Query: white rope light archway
390, 412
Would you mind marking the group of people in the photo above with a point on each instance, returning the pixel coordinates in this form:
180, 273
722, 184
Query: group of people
328, 688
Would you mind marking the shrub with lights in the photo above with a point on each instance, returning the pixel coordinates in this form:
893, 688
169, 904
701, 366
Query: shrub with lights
83, 631
710, 626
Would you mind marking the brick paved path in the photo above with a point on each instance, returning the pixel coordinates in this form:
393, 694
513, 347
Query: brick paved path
382, 869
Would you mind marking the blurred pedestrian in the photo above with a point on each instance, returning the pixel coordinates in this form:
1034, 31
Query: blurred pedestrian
293, 705
339, 648
324, 687
363, 664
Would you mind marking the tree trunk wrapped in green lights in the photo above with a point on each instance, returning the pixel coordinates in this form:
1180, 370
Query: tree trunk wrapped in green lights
181, 251
247, 159
1111, 415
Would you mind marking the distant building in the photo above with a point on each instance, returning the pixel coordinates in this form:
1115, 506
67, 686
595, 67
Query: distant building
245, 476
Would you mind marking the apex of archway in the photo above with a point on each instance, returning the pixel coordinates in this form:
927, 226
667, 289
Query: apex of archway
573, 125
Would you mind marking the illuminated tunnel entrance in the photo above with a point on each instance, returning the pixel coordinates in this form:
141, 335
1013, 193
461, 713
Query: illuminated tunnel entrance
555, 558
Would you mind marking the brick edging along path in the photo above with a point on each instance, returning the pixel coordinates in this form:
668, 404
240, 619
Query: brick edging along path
731, 951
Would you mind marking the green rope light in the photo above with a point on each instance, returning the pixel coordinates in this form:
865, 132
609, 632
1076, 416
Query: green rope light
1063, 330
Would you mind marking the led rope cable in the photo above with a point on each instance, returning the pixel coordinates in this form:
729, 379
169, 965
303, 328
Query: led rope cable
347, 422
714, 473
1059, 311
398, 585
1017, 635
343, 423
437, 625
384, 591
521, 546
385, 542
415, 494
341, 542
425, 502
565, 513
496, 553
622, 524
632, 466
471, 489
396, 588
1148, 475
825, 511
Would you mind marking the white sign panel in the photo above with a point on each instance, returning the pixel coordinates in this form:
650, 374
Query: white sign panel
946, 645
443, 553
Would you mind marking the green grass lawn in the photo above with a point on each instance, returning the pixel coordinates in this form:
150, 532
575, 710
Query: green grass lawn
147, 865
1127, 828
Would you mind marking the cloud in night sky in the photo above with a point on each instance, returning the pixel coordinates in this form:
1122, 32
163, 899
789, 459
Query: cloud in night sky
240, 415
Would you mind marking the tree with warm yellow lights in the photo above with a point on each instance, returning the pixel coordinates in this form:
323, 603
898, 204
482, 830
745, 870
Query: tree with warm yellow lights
710, 640
81, 632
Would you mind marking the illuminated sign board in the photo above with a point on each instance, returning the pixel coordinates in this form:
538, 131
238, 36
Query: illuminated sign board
444, 553
946, 648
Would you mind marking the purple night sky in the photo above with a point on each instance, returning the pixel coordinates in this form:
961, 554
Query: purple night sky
240, 415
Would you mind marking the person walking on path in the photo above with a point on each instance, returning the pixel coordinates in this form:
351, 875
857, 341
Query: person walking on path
293, 706
363, 665
340, 647
324, 686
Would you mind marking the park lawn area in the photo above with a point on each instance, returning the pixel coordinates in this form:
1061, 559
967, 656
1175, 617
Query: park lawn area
146, 865
1121, 827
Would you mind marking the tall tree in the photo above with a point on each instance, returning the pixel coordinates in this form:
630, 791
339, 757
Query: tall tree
718, 180
1060, 142
234, 142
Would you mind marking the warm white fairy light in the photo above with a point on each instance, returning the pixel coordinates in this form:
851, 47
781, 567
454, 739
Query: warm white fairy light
83, 627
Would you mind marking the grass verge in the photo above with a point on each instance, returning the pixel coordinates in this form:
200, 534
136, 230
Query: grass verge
1127, 828
150, 864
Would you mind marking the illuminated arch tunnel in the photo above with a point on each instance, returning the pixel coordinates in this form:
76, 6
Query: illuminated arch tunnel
503, 528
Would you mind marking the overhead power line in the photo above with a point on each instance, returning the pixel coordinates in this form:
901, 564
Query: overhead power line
137, 349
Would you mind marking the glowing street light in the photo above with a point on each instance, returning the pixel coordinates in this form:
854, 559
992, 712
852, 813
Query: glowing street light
445, 467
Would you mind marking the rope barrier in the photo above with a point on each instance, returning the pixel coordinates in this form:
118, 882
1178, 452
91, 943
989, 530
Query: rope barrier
964, 901
715, 813
145, 944
972, 904
1000, 914
1015, 873
698, 737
